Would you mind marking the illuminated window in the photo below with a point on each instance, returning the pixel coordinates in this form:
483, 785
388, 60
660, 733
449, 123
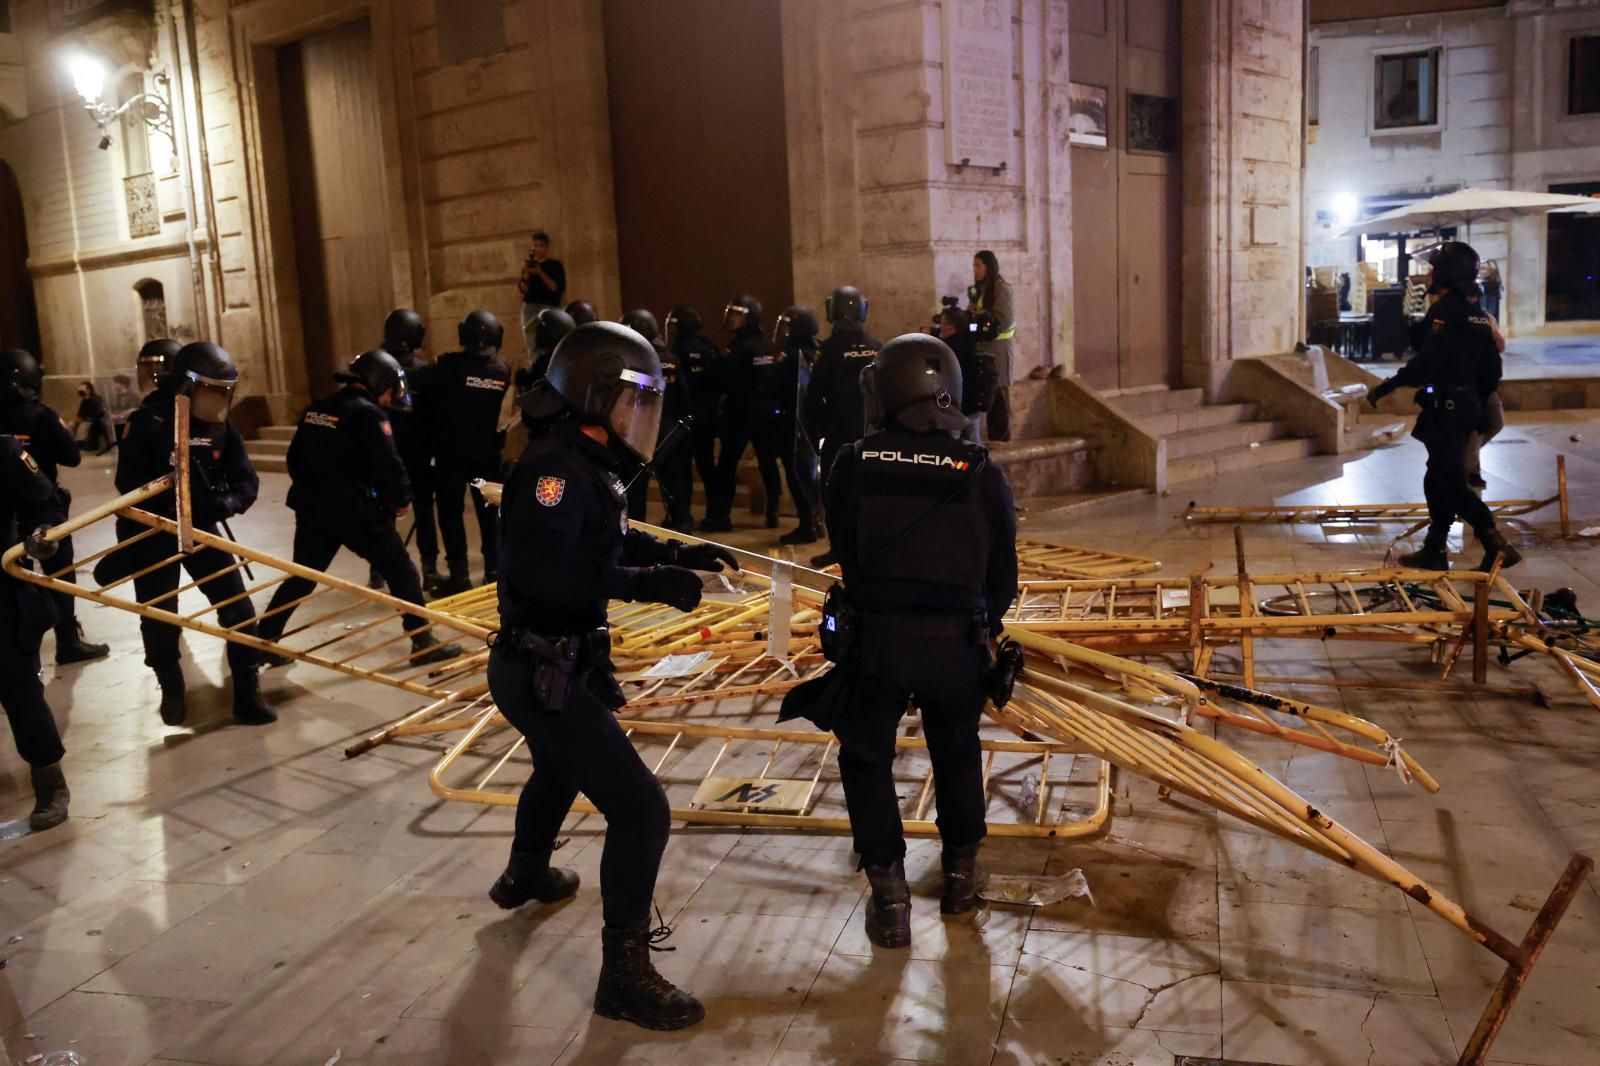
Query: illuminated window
1407, 90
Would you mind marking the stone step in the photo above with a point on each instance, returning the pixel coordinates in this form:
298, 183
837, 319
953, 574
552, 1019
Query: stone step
1055, 505
269, 464
282, 433
1233, 460
1231, 437
264, 447
1044, 466
1139, 402
1166, 423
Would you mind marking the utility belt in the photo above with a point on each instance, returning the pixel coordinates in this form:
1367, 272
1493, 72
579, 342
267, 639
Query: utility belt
1449, 399
557, 662
844, 623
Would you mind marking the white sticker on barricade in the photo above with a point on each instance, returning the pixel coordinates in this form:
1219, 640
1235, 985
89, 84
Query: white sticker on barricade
781, 614
678, 665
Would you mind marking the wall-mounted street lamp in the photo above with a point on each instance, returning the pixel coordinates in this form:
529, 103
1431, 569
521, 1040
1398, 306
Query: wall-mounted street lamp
89, 78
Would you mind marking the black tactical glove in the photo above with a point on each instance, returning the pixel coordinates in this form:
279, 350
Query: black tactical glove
671, 585
1383, 389
707, 557
39, 548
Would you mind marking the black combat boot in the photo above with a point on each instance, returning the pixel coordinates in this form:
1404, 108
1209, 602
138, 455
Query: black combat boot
174, 711
72, 648
889, 906
963, 879
430, 575
716, 524
459, 581
1495, 544
823, 560
50, 797
431, 651
529, 878
799, 535
631, 990
1431, 556
772, 519
248, 706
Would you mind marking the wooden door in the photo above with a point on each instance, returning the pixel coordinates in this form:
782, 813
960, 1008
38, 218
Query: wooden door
699, 154
335, 172
19, 317
1126, 196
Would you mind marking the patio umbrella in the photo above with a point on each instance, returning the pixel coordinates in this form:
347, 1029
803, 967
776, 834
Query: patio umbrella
1464, 207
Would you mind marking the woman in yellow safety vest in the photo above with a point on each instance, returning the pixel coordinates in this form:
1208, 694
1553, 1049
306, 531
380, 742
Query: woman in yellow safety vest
989, 301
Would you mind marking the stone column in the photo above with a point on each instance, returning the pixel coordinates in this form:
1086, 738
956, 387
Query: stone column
1242, 142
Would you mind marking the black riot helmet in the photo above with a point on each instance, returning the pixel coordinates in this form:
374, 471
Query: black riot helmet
379, 372
481, 332
916, 382
583, 312
206, 374
643, 323
605, 374
682, 321
748, 306
154, 358
846, 305
1455, 266
798, 324
403, 332
545, 331
21, 376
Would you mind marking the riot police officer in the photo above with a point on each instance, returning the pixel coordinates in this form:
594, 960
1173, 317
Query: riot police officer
348, 487
795, 337
1456, 370
671, 464
152, 362
403, 335
222, 484
567, 552
833, 402
582, 312
749, 373
701, 367
40, 430
924, 528
461, 398
28, 500
544, 332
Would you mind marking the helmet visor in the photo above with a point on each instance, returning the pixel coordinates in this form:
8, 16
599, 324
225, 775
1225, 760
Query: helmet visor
636, 416
209, 400
780, 332
400, 397
734, 316
669, 330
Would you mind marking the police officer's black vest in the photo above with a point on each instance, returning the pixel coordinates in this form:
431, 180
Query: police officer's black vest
943, 562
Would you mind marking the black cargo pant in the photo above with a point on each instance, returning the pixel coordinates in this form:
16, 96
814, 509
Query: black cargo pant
942, 675
675, 471
797, 470
1445, 484
735, 439
420, 474
581, 748
704, 436
159, 588
33, 726
451, 484
316, 544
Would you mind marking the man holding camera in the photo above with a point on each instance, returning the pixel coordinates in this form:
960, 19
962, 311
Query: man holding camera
544, 280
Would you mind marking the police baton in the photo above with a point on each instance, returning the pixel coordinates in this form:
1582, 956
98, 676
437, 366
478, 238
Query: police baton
227, 530
679, 427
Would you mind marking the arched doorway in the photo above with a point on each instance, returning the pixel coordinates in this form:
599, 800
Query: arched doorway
19, 318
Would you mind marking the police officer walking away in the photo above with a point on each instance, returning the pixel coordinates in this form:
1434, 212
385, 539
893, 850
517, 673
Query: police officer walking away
568, 551
795, 336
403, 336
40, 430
461, 397
701, 366
1456, 370
925, 530
833, 408
671, 465
222, 484
748, 383
348, 487
28, 499
152, 362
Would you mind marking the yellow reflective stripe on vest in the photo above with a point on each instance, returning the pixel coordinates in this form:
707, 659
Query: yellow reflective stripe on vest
1007, 335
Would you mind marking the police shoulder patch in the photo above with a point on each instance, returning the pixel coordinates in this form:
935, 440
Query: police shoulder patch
550, 490
27, 461
388, 430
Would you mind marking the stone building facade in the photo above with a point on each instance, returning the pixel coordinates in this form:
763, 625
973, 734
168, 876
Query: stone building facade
1504, 73
332, 157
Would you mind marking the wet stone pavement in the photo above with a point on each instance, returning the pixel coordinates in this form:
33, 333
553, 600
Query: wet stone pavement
247, 896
